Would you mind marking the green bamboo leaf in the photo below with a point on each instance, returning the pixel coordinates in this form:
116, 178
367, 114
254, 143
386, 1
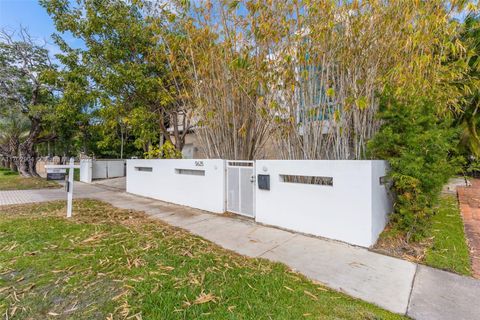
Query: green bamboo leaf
330, 92
362, 103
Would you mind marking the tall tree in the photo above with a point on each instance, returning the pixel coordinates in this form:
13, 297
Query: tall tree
23, 85
335, 59
126, 62
316, 70
232, 87
13, 125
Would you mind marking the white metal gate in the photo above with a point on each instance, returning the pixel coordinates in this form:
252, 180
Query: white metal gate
241, 187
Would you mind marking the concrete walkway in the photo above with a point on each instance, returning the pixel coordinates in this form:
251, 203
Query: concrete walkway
396, 285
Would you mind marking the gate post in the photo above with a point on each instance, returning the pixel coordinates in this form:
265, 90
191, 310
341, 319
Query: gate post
224, 169
86, 170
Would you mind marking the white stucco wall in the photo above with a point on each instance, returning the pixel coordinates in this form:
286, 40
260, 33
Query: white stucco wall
86, 170
381, 199
164, 182
91, 169
353, 210
115, 168
99, 169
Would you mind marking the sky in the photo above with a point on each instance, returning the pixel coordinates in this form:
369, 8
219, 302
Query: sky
31, 15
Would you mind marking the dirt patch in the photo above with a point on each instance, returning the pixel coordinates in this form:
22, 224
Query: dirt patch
397, 246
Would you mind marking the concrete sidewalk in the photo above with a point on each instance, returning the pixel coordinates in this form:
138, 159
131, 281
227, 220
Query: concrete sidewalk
396, 285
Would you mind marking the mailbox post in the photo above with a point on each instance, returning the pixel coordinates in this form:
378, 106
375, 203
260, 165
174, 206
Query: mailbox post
69, 184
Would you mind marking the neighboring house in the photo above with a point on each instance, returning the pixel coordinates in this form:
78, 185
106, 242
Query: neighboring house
191, 149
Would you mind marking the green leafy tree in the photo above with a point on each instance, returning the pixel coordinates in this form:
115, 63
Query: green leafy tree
166, 151
125, 59
13, 125
144, 128
24, 69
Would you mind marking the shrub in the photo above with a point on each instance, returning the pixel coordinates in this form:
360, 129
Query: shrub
418, 144
166, 151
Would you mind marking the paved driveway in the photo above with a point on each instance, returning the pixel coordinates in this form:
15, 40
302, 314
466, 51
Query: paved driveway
115, 184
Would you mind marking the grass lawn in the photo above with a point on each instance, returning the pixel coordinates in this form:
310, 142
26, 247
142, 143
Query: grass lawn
109, 263
449, 249
445, 246
10, 180
76, 174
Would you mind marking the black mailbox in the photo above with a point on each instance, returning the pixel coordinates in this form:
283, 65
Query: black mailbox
263, 181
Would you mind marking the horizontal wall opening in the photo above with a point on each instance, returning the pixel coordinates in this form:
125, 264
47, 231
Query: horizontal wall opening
145, 169
322, 181
191, 172
240, 163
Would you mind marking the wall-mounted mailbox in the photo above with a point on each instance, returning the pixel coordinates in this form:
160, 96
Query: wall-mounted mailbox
263, 181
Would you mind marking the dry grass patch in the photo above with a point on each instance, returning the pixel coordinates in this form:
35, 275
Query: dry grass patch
109, 263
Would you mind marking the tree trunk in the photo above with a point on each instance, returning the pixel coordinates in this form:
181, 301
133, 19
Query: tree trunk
27, 160
179, 135
12, 165
27, 157
163, 124
13, 150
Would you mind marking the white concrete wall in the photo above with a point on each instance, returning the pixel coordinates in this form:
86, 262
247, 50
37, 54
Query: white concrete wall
86, 170
163, 182
99, 169
381, 198
353, 210
115, 168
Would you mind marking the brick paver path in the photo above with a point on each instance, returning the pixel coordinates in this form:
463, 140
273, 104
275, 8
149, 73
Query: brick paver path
29, 196
469, 198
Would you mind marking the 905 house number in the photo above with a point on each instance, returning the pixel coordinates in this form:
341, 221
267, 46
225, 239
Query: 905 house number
199, 163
